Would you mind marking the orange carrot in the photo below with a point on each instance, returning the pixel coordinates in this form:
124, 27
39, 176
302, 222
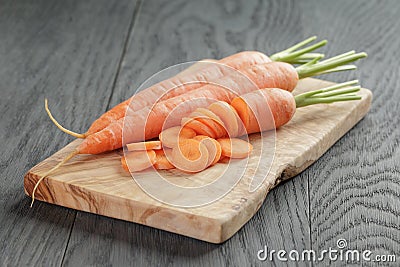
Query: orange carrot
235, 148
162, 162
138, 160
171, 136
150, 120
195, 78
197, 75
190, 156
149, 145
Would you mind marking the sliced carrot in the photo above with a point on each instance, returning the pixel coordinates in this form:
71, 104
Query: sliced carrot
144, 146
211, 120
190, 156
235, 148
198, 127
171, 136
138, 160
162, 162
213, 147
226, 114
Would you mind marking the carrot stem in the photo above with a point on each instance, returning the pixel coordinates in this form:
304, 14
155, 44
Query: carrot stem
330, 94
77, 135
295, 55
329, 65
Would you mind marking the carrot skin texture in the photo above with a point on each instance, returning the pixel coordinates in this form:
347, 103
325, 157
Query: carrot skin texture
147, 121
150, 95
254, 113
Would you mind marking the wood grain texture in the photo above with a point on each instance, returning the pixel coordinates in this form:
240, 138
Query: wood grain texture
98, 184
354, 187
68, 52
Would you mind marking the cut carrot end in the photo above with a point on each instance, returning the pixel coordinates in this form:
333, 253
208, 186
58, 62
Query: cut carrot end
59, 126
68, 157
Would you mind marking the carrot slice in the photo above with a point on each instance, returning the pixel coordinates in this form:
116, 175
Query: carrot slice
171, 136
226, 114
144, 146
235, 148
211, 120
190, 156
198, 127
138, 160
213, 147
244, 112
162, 162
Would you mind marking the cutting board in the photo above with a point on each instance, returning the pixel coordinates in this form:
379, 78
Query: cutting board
98, 184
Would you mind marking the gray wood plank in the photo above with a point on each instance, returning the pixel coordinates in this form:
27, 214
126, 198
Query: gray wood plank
354, 188
68, 51
170, 32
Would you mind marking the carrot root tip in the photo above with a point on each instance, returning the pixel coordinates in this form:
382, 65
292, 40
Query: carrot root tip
59, 126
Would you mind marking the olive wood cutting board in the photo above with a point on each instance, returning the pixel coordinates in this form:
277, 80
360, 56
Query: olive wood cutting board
98, 184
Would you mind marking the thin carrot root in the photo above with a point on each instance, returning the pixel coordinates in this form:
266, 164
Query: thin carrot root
148, 145
190, 156
67, 158
235, 148
138, 160
59, 126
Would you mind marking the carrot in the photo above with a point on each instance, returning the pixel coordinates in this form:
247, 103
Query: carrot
190, 156
235, 148
149, 145
213, 147
196, 76
196, 67
275, 74
162, 162
171, 136
257, 117
138, 160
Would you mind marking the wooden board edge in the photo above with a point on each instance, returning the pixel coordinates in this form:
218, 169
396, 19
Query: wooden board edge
203, 228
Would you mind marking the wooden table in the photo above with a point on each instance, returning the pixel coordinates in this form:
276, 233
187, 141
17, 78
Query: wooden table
87, 56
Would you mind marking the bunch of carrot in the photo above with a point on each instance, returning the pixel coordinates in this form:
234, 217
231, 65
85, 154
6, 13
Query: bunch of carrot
207, 82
